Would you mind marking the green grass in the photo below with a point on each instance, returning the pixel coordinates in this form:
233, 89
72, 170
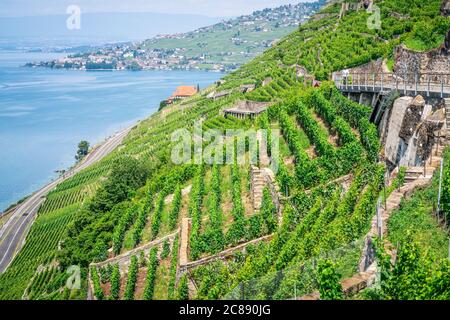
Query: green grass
416, 217
419, 45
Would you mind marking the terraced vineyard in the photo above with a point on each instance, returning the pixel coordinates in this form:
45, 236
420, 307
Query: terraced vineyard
140, 226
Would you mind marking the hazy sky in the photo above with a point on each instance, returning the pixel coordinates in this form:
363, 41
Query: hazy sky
217, 8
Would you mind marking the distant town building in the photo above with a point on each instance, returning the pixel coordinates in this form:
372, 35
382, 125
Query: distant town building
246, 109
182, 92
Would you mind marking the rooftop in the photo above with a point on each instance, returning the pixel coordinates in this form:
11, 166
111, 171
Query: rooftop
185, 91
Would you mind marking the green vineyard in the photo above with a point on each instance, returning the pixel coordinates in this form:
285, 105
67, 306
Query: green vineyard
141, 227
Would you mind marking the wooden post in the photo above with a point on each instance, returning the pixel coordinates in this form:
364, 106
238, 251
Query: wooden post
415, 80
425, 168
440, 189
384, 191
431, 157
404, 80
439, 142
382, 78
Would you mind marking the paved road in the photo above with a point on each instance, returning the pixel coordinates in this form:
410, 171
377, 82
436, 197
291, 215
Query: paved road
14, 231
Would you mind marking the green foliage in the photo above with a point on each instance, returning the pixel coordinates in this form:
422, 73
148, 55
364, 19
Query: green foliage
329, 281
428, 34
183, 289
176, 206
173, 270
237, 230
132, 278
415, 275
213, 238
196, 202
157, 215
141, 220
119, 232
166, 250
115, 282
417, 214
83, 150
127, 175
268, 212
151, 274
446, 186
98, 291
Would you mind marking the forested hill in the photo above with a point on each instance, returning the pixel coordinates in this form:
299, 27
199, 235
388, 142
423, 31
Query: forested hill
138, 194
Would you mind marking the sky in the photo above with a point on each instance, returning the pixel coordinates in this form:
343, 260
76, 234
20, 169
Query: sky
213, 8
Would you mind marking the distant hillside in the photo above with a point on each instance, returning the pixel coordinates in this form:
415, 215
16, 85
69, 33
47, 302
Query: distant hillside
222, 46
235, 41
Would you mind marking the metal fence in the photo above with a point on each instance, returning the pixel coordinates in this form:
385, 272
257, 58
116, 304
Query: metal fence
300, 278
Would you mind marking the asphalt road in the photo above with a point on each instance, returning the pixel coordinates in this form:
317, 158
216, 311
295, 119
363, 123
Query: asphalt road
14, 231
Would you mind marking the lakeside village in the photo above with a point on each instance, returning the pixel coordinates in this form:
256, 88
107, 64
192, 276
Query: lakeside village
131, 57
155, 54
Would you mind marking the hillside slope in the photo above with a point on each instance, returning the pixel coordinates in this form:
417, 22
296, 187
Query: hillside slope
138, 194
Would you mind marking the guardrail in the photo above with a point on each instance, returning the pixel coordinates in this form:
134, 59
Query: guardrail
426, 83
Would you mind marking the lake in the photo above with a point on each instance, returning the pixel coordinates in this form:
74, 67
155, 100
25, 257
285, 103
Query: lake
44, 113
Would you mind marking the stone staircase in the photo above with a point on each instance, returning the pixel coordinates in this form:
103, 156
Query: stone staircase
258, 184
264, 158
413, 173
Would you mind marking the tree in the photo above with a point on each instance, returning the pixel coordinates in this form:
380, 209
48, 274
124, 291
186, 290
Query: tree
83, 150
127, 175
328, 279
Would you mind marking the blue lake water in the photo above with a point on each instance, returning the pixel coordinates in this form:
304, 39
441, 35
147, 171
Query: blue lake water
45, 113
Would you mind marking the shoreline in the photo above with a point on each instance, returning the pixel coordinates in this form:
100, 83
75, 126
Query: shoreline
14, 230
68, 171
126, 70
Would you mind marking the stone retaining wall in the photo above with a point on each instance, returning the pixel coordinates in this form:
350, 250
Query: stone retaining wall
124, 259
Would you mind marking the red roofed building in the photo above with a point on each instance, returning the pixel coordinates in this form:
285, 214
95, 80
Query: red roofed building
182, 92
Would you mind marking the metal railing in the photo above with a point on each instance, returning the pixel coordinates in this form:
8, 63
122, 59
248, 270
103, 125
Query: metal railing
425, 83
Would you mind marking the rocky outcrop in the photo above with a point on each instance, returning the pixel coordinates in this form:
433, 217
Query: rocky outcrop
447, 41
394, 145
412, 118
411, 131
445, 8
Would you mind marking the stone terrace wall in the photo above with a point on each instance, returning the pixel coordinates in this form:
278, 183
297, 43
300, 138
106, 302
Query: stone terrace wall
411, 62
